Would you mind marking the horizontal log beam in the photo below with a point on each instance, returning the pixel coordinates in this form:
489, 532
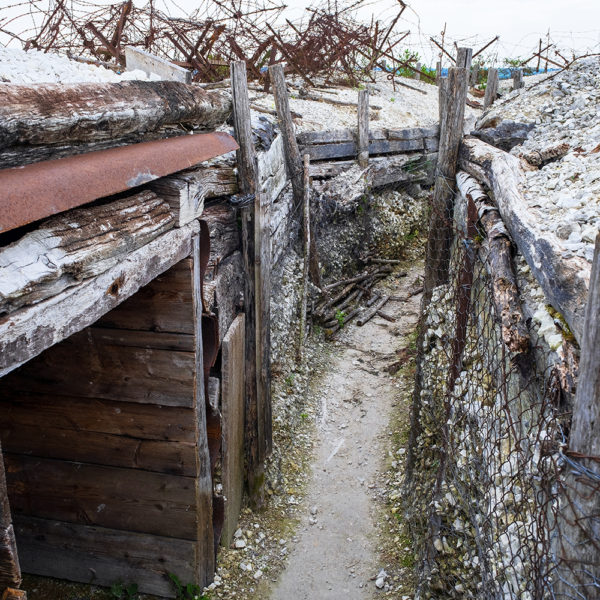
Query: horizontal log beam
565, 281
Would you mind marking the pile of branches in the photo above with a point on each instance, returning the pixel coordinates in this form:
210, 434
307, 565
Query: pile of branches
329, 42
345, 299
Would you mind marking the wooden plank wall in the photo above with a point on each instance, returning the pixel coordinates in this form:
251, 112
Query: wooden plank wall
100, 435
10, 573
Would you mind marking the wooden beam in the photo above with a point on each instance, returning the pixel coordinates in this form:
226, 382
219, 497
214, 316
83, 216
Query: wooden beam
491, 88
30, 330
306, 256
136, 58
363, 130
564, 280
10, 571
517, 77
56, 113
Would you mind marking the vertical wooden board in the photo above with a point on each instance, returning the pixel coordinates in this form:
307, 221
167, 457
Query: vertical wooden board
103, 556
233, 385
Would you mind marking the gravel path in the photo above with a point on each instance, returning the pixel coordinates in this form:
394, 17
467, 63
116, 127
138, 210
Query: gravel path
336, 555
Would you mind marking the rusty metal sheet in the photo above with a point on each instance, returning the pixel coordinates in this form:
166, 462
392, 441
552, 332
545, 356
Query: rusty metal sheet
42, 189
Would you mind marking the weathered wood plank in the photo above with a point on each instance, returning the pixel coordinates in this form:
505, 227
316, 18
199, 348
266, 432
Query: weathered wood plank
77, 245
103, 556
491, 88
229, 290
203, 483
136, 58
54, 113
233, 360
187, 191
94, 416
345, 149
27, 332
338, 136
517, 77
564, 280
128, 499
110, 371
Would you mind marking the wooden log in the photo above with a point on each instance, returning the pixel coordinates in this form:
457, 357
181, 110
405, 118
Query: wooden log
517, 77
417, 74
369, 314
286, 126
464, 57
232, 372
103, 556
363, 129
229, 291
438, 72
491, 88
203, 484
28, 331
10, 571
578, 528
138, 59
72, 247
56, 113
112, 497
385, 316
12, 594
564, 280
187, 191
340, 136
499, 264
453, 94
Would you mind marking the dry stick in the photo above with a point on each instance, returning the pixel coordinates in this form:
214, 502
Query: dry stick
363, 129
388, 261
409, 296
306, 225
368, 315
485, 47
443, 50
386, 316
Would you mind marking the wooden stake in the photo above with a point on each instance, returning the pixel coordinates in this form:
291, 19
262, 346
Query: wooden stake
438, 72
491, 89
464, 57
418, 72
517, 78
363, 129
306, 228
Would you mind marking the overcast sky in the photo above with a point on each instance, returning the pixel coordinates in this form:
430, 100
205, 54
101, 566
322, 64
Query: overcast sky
519, 23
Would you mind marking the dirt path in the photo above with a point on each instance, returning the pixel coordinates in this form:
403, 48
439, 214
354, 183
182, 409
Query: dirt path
336, 552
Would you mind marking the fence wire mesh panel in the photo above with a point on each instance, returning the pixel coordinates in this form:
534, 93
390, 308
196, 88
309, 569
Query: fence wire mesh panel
489, 502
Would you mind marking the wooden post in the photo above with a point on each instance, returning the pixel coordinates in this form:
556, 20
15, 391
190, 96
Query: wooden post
306, 227
256, 299
491, 89
205, 563
474, 75
363, 129
452, 107
418, 72
290, 145
517, 77
293, 161
464, 57
539, 55
580, 527
438, 72
10, 572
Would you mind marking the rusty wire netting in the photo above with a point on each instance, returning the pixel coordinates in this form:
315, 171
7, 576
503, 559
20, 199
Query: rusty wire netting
488, 503
329, 41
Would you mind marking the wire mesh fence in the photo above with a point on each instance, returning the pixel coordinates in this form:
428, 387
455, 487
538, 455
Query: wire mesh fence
496, 506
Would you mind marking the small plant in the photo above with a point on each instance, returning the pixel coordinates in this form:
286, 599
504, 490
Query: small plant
304, 416
189, 591
289, 380
340, 315
121, 591
392, 99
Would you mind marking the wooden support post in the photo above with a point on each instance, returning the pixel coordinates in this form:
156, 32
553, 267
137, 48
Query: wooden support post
474, 80
418, 72
438, 72
580, 527
517, 77
10, 572
453, 96
286, 126
205, 563
363, 129
293, 161
491, 89
256, 298
464, 57
306, 227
